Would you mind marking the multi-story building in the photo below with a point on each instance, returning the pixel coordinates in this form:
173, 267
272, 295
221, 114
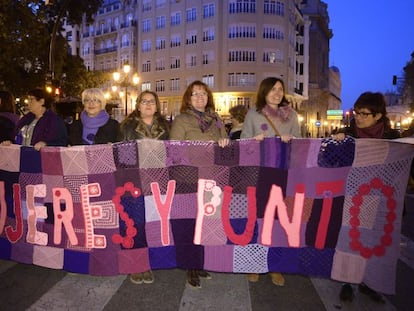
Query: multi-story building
323, 93
229, 44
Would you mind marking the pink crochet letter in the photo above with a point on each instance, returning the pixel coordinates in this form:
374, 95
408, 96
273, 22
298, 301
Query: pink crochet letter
63, 217
13, 235
292, 229
327, 189
246, 236
164, 208
35, 212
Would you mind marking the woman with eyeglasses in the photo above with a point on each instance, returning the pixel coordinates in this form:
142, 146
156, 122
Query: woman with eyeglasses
95, 126
146, 121
40, 127
198, 121
370, 121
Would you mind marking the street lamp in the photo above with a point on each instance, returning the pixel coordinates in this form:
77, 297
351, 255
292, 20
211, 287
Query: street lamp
126, 81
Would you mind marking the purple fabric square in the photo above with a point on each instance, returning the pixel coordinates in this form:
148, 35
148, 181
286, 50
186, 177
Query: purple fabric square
183, 206
163, 257
103, 262
107, 184
201, 153
76, 262
186, 178
149, 175
126, 154
242, 177
52, 161
227, 156
30, 160
219, 258
249, 152
274, 153
100, 159
177, 152
133, 261
5, 247
298, 159
22, 252
190, 256
183, 231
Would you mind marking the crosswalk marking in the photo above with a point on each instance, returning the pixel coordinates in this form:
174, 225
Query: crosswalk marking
79, 292
230, 292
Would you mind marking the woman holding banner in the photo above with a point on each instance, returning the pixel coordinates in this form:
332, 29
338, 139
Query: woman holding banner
273, 116
145, 121
198, 121
370, 121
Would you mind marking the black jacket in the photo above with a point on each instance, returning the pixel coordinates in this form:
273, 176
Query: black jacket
108, 133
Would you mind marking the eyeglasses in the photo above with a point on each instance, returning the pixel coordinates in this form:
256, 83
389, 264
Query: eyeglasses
197, 94
147, 102
91, 100
362, 115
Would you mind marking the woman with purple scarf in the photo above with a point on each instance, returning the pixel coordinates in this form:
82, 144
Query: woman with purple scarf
8, 116
273, 116
95, 125
198, 121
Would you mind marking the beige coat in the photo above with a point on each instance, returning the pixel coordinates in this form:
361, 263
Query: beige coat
185, 127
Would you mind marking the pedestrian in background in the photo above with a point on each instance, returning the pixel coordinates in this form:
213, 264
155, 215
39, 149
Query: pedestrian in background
8, 117
370, 121
237, 113
198, 121
40, 126
146, 121
94, 126
273, 116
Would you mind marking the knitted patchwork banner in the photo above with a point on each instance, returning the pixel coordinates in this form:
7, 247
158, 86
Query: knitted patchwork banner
312, 207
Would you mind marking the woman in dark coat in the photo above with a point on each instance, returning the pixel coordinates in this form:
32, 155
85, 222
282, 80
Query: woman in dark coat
95, 125
40, 126
146, 121
370, 121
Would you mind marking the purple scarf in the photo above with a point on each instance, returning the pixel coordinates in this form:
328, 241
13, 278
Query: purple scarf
205, 119
375, 131
92, 124
282, 113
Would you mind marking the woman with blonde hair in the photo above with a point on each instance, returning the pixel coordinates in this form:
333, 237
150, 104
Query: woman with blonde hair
95, 126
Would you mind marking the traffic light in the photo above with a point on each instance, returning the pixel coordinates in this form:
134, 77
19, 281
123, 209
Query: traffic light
394, 80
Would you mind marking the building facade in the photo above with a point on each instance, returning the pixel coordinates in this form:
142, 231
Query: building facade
229, 44
324, 82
